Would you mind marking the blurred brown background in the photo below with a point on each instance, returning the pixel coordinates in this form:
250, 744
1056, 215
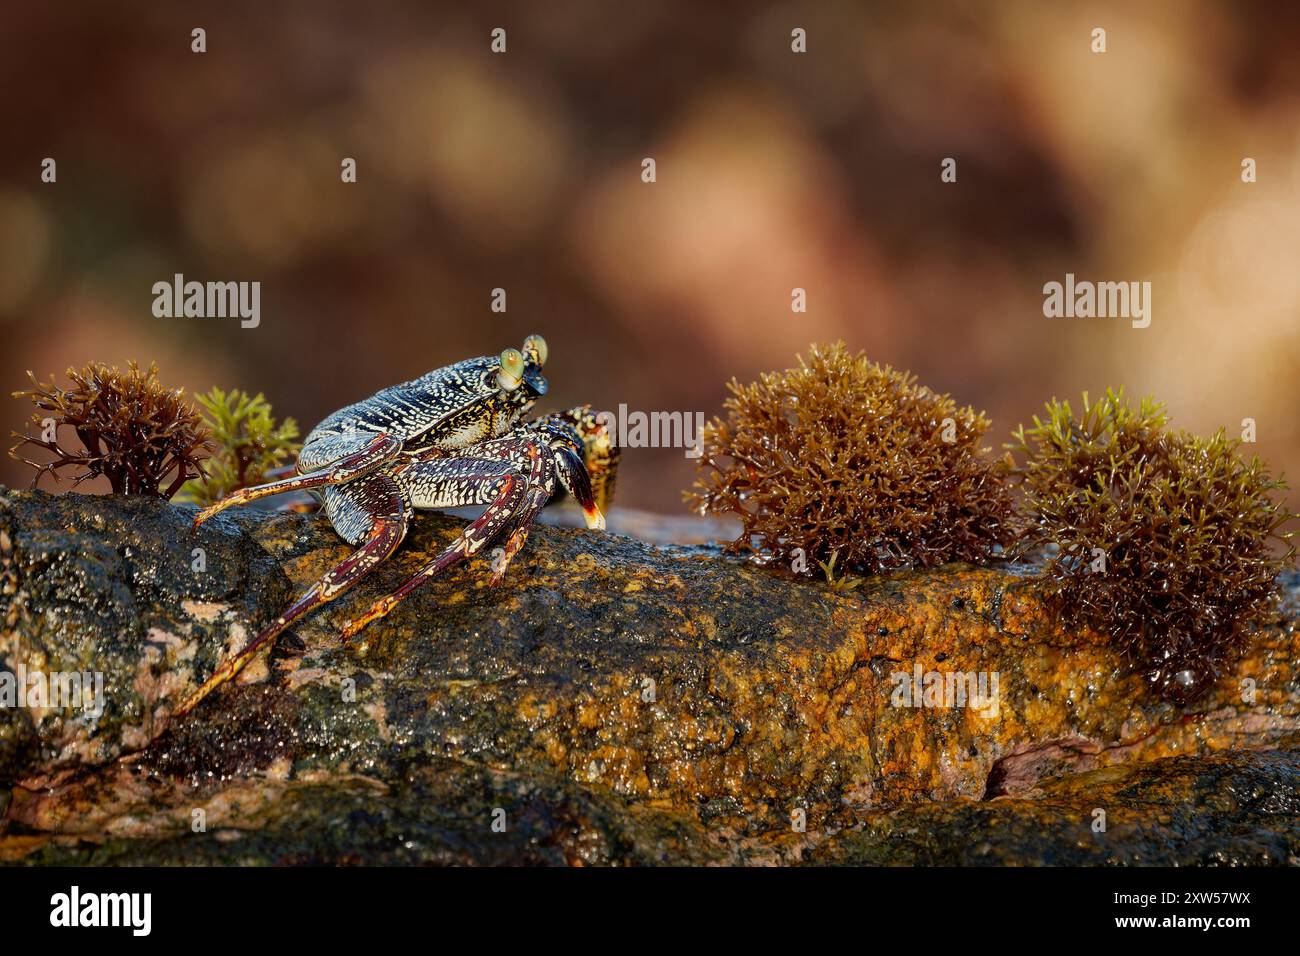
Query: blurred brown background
775, 170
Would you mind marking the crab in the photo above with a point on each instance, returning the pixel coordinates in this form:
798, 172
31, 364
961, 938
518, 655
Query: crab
454, 437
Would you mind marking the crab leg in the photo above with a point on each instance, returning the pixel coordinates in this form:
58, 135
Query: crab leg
391, 516
380, 450
514, 543
510, 492
523, 519
572, 473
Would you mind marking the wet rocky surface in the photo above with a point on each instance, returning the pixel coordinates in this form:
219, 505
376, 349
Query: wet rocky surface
612, 701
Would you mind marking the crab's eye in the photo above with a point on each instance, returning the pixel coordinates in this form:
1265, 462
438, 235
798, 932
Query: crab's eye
512, 370
535, 349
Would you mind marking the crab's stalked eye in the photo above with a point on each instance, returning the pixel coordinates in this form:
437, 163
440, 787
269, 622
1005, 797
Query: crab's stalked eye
535, 349
511, 374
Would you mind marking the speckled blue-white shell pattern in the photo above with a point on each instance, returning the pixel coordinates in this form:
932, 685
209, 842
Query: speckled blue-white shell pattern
445, 423
447, 408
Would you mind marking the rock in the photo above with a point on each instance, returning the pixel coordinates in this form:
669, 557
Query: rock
442, 812
110, 585
1238, 808
611, 702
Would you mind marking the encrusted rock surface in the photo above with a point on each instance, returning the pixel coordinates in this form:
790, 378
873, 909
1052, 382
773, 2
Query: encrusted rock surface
1233, 808
611, 702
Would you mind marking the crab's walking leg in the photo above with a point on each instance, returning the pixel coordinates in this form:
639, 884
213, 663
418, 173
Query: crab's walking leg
380, 450
519, 525
381, 498
513, 545
454, 483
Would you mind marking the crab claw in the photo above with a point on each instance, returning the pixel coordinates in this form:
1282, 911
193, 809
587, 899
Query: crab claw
574, 477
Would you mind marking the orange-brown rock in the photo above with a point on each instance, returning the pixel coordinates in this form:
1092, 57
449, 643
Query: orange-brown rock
658, 703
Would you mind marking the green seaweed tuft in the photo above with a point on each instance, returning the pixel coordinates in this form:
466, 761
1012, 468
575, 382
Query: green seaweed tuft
248, 444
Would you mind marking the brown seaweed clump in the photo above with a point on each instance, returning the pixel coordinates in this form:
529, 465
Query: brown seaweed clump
144, 438
1163, 540
845, 460
248, 445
